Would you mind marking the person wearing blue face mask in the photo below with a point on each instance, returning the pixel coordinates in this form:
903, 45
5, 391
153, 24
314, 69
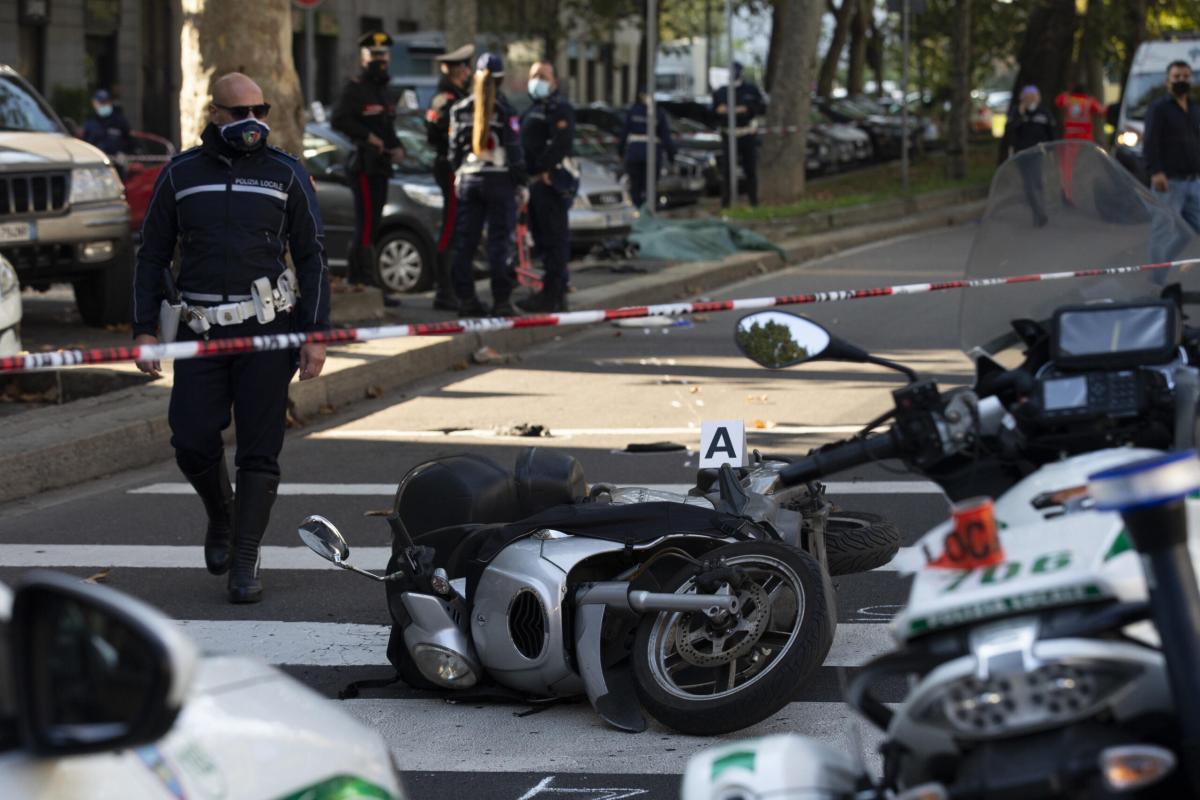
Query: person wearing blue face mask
548, 140
234, 207
106, 127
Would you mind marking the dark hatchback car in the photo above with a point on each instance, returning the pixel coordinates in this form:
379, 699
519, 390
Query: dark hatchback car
406, 244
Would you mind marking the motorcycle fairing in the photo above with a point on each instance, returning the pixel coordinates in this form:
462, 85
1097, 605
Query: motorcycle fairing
1073, 558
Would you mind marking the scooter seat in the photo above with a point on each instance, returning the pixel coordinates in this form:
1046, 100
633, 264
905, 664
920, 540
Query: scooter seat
473, 489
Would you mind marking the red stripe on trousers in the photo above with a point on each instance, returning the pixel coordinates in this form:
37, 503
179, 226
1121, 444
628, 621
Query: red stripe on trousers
368, 209
448, 228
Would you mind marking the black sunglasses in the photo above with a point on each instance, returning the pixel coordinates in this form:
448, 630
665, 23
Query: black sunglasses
241, 112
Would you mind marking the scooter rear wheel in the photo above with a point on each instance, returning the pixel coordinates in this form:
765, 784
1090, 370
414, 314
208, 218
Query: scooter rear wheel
702, 678
858, 541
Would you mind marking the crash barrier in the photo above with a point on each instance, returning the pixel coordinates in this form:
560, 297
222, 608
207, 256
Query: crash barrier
284, 341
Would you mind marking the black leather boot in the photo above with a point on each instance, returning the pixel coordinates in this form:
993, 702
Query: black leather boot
217, 495
544, 302
252, 511
443, 295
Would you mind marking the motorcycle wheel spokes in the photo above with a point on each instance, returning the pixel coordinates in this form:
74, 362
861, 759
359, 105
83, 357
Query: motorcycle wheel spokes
692, 659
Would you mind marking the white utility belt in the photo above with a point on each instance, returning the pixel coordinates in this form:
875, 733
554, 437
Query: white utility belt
642, 137
262, 304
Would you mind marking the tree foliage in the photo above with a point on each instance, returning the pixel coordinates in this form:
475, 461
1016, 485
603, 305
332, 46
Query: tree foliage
770, 344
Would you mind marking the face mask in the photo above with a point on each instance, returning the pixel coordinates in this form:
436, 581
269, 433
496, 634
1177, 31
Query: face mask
377, 71
539, 89
246, 135
1180, 88
104, 111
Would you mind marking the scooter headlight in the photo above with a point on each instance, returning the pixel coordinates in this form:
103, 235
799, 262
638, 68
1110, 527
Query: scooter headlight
444, 667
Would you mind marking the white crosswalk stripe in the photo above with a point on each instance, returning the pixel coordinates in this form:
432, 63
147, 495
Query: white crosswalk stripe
153, 556
335, 644
389, 489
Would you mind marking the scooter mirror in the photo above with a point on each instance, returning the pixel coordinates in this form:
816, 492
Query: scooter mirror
776, 339
320, 535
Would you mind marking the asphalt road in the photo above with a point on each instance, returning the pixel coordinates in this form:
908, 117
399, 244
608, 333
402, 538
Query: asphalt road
595, 392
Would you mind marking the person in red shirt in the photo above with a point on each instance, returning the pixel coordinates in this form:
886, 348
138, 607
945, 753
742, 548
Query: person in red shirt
1078, 108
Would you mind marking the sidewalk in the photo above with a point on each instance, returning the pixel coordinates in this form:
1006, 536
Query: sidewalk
63, 445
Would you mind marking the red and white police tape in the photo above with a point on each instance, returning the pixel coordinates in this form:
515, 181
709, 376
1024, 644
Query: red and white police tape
283, 341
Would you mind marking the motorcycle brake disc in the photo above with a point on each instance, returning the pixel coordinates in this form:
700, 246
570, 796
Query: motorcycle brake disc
751, 625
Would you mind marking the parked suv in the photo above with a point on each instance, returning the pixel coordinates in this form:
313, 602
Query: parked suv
63, 215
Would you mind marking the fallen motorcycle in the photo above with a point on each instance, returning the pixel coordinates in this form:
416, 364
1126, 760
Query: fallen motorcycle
1050, 641
704, 617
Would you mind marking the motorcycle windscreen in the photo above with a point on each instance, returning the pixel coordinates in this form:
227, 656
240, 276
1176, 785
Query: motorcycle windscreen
1063, 207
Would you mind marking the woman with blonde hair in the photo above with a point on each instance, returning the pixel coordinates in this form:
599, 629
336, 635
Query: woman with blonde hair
489, 170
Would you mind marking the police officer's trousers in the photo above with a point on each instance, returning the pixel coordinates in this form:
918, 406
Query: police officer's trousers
370, 195
484, 198
444, 176
636, 172
253, 385
747, 158
548, 222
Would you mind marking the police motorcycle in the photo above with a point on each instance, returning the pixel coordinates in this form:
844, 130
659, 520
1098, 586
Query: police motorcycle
1055, 655
707, 612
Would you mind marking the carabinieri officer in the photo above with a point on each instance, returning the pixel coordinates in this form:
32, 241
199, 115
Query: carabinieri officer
235, 206
451, 87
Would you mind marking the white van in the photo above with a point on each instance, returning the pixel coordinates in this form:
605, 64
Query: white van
1148, 82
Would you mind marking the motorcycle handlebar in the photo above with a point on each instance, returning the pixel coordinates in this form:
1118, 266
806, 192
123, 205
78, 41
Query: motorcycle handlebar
844, 456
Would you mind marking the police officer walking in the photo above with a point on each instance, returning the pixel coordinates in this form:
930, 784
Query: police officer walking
748, 103
548, 140
489, 169
452, 87
635, 140
1029, 125
367, 115
234, 205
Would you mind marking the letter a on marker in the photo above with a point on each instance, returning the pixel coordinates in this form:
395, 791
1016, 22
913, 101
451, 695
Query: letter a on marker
722, 442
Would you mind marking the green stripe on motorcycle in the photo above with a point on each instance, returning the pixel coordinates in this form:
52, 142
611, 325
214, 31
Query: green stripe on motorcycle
1120, 545
741, 759
342, 787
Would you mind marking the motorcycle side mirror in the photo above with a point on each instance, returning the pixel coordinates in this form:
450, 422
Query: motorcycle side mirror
324, 539
777, 339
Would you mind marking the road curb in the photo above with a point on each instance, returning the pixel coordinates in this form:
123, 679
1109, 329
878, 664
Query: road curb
60, 446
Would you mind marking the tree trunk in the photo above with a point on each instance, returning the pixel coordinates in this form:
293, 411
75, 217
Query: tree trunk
799, 23
875, 56
1045, 54
837, 44
461, 22
856, 76
960, 92
221, 36
1134, 32
1089, 68
775, 47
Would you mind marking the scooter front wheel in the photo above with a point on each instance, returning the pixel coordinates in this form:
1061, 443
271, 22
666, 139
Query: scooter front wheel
706, 676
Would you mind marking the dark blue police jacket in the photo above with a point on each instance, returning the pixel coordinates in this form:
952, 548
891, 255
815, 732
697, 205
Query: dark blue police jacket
234, 215
548, 133
634, 138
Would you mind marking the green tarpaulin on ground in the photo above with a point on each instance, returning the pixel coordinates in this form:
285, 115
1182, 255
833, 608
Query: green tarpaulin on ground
705, 239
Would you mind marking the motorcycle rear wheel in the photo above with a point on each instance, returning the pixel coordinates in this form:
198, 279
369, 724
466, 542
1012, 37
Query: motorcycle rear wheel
743, 676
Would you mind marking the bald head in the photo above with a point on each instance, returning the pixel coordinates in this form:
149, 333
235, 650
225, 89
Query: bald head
232, 90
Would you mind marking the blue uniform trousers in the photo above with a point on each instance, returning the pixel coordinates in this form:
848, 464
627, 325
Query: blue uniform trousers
487, 197
636, 170
253, 385
548, 222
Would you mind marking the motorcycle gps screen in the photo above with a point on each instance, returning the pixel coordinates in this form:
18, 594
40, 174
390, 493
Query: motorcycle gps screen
1064, 393
1115, 336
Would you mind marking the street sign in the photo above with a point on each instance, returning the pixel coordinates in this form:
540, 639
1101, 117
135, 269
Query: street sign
306, 3
722, 442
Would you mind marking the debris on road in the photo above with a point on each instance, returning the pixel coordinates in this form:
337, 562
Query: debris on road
654, 447
522, 429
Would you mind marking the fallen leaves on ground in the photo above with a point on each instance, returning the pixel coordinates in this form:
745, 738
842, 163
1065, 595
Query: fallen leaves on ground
99, 577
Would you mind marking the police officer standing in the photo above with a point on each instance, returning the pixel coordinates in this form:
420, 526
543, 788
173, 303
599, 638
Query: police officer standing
748, 103
635, 139
367, 115
489, 170
234, 205
106, 127
548, 140
452, 87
